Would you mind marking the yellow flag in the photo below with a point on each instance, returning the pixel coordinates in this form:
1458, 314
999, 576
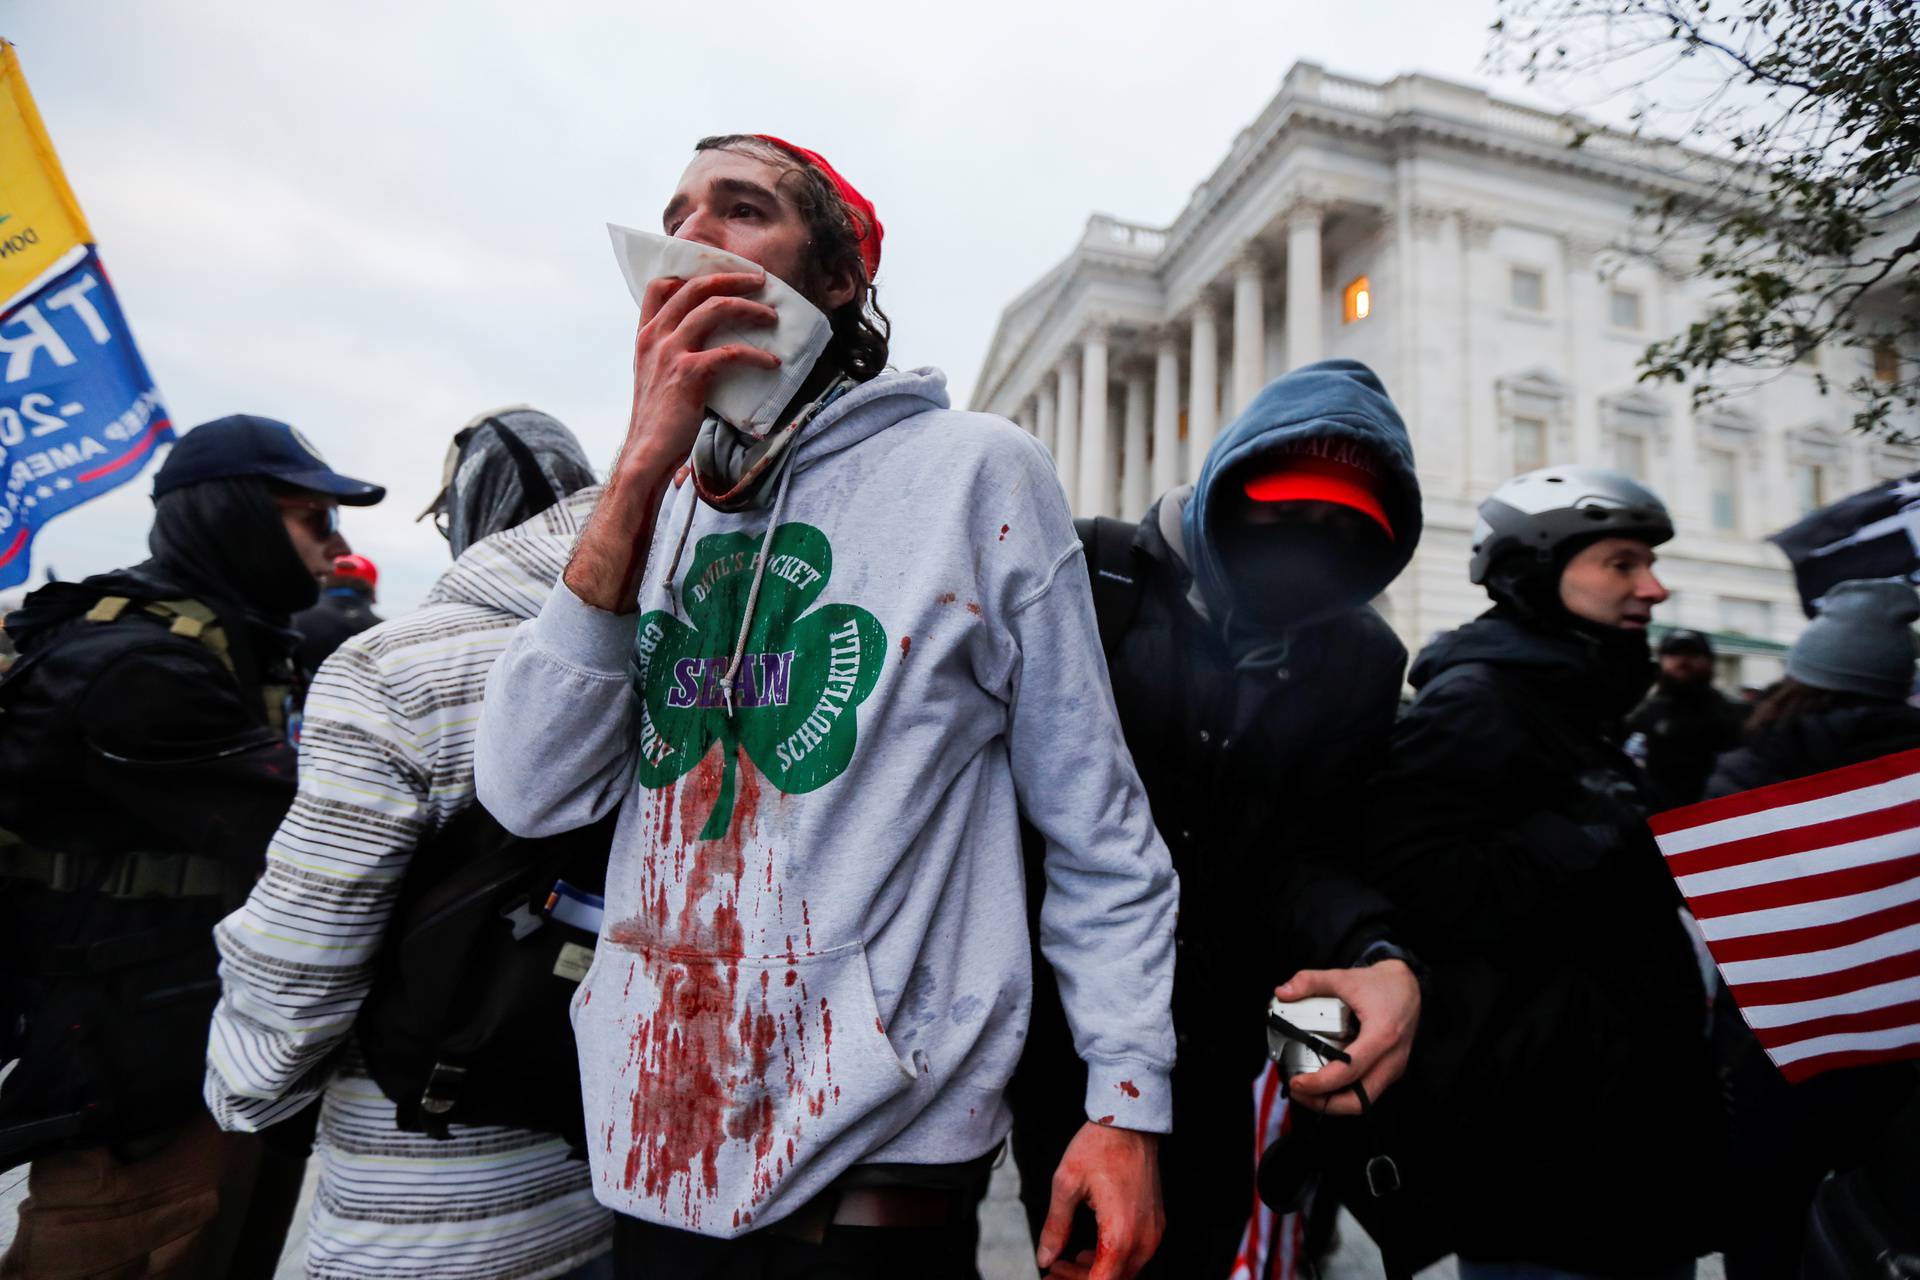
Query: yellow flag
39, 218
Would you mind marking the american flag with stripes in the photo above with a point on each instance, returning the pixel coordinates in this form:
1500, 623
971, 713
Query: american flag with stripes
1808, 895
1270, 1244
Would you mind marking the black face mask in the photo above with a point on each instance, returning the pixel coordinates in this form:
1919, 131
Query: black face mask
1528, 589
226, 539
1292, 563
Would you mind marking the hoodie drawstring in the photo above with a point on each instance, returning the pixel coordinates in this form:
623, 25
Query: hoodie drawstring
759, 573
680, 545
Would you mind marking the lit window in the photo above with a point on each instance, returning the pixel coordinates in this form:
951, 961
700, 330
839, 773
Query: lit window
1359, 300
1528, 289
1630, 454
1886, 362
1723, 490
1809, 487
1529, 444
1625, 305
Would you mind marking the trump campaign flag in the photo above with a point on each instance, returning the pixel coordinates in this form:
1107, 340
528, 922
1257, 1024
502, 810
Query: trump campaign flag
1808, 895
79, 414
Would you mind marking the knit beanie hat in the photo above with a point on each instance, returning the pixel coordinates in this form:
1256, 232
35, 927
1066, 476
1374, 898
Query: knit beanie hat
1861, 641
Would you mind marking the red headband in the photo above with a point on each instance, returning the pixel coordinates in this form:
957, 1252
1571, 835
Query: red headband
866, 223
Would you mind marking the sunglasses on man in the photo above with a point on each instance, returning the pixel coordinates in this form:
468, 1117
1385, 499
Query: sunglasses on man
322, 519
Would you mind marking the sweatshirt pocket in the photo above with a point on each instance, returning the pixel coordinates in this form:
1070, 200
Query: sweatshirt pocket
710, 1080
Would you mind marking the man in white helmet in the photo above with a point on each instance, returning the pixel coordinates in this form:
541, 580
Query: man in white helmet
1560, 1115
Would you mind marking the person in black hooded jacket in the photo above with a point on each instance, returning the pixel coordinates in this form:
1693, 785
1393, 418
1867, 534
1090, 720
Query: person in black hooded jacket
1843, 701
1561, 1114
1256, 690
146, 735
1685, 723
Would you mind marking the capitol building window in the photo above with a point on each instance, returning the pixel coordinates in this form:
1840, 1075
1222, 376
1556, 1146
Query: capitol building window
1809, 487
1723, 490
1359, 300
1529, 444
1625, 311
1527, 289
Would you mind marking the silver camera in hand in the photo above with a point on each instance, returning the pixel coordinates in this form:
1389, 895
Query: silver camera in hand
1294, 1027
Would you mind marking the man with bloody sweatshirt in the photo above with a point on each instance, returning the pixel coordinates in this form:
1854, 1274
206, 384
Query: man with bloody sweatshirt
821, 681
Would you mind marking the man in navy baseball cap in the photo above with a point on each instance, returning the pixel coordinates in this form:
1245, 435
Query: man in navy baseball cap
150, 734
283, 467
245, 444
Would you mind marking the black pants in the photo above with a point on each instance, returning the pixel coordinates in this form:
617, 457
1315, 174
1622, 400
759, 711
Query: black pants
643, 1251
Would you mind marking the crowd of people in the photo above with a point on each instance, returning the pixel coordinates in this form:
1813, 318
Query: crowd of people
735, 857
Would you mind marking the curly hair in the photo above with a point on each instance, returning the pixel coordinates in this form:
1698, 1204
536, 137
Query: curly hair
861, 330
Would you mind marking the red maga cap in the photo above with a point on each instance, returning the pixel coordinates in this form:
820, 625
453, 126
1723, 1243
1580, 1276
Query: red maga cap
866, 223
1311, 479
356, 566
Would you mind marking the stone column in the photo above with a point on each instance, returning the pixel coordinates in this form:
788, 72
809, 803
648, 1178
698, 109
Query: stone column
1043, 415
1166, 418
1096, 448
1133, 453
1066, 421
1203, 392
1249, 331
1304, 303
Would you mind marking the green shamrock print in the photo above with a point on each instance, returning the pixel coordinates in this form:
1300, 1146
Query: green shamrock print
800, 680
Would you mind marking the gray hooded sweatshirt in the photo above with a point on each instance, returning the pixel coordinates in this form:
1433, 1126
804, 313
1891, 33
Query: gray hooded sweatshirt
815, 949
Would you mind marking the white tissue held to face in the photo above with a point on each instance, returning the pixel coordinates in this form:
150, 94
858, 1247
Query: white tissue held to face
750, 400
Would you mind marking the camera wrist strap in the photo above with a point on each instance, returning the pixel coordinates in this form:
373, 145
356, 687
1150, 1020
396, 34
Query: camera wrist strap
1383, 1175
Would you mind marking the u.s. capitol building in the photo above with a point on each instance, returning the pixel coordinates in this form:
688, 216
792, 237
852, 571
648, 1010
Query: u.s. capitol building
1498, 281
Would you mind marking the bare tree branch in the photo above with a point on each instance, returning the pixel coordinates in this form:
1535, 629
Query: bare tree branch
1806, 117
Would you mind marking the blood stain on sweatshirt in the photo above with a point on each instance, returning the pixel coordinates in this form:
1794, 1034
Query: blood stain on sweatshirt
704, 1059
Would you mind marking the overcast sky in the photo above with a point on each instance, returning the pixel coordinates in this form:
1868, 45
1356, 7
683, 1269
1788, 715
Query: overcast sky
377, 220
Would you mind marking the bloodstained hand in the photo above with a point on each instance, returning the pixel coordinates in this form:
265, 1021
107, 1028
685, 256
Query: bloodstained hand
672, 371
1115, 1173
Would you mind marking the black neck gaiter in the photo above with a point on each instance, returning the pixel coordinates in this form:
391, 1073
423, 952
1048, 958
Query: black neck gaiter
1621, 658
225, 539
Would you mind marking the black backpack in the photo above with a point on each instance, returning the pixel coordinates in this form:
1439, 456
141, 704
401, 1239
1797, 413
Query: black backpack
467, 1022
108, 972
1108, 546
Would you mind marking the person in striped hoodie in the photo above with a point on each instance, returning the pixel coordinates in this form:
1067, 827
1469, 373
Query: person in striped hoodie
386, 760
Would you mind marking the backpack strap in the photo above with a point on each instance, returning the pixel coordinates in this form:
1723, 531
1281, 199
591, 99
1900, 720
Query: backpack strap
188, 619
1113, 573
193, 620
